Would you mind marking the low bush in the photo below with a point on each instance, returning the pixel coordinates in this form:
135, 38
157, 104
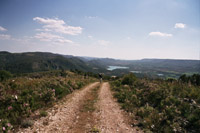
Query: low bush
27, 123
4, 75
43, 113
128, 79
159, 105
21, 96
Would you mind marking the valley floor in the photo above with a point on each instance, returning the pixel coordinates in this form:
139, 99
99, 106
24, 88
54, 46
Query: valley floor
91, 109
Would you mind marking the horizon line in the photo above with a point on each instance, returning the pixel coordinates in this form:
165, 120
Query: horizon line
150, 58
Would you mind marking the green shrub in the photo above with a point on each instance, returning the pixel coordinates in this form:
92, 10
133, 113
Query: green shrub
159, 105
128, 79
5, 125
94, 130
43, 113
194, 79
79, 84
4, 75
117, 83
22, 95
27, 123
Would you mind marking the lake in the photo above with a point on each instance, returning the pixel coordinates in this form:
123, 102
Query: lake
110, 68
136, 71
160, 74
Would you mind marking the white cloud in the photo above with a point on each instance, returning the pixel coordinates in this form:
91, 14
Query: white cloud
2, 29
58, 25
103, 42
46, 30
180, 25
49, 21
160, 34
90, 37
5, 37
48, 37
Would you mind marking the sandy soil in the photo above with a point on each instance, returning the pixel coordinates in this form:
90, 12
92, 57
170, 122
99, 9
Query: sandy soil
61, 117
112, 118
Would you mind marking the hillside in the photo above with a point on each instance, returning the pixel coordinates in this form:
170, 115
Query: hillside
39, 61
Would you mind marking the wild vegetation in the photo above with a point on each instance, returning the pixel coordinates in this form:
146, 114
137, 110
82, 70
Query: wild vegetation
161, 105
194, 79
22, 95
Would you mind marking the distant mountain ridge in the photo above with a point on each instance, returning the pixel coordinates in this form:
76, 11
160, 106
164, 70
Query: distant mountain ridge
154, 68
44, 61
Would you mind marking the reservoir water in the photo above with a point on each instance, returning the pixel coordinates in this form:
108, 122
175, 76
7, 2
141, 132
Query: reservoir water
136, 71
110, 68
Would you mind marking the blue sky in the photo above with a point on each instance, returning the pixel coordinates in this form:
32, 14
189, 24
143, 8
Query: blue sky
128, 29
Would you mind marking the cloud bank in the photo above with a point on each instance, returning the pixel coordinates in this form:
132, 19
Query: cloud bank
54, 29
58, 25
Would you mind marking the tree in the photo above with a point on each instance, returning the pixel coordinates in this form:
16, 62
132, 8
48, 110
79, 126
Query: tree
184, 78
129, 79
4, 75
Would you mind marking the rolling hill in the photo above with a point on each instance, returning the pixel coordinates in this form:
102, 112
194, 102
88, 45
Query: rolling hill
42, 61
39, 61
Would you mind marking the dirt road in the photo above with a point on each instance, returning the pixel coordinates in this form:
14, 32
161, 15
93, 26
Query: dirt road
112, 118
91, 109
61, 117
